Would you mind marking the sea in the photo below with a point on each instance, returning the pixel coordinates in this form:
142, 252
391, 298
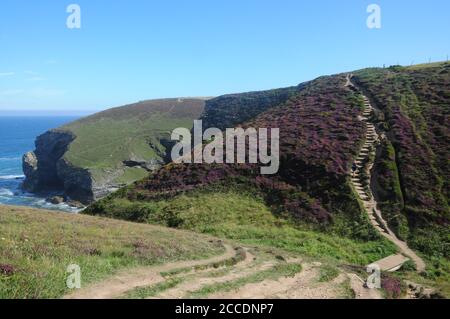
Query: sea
17, 136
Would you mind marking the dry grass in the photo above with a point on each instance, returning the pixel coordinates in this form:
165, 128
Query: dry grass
37, 246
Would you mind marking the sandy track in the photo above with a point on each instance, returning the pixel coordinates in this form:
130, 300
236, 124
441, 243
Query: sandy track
130, 279
303, 285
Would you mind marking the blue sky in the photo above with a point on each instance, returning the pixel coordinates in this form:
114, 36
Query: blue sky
133, 50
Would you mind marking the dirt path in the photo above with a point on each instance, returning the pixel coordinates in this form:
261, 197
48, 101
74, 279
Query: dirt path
127, 280
303, 285
363, 167
243, 269
359, 289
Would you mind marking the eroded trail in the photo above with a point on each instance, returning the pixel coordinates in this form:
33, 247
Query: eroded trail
303, 285
361, 177
259, 275
130, 279
257, 279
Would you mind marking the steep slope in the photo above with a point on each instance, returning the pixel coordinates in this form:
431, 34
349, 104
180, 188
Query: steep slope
321, 135
361, 177
233, 109
411, 173
93, 156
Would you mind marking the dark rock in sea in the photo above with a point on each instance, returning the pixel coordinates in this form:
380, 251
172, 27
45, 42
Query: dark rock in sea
56, 200
75, 204
30, 169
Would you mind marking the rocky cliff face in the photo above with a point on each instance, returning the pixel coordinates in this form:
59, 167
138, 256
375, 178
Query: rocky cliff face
47, 171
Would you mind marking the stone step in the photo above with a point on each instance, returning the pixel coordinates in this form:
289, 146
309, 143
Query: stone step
363, 195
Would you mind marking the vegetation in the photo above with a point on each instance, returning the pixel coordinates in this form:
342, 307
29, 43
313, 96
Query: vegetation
413, 169
36, 247
317, 150
146, 292
328, 272
233, 109
245, 218
309, 206
139, 133
388, 190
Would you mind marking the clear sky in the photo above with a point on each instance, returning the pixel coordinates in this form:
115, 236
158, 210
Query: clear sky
133, 50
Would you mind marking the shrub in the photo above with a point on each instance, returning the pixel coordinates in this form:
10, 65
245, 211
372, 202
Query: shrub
7, 270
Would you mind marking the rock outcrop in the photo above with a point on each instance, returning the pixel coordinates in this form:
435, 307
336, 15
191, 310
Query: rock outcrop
89, 158
47, 171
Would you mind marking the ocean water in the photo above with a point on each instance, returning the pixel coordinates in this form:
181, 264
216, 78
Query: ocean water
17, 135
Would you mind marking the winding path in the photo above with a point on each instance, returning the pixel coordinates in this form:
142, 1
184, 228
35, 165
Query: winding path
141, 277
361, 176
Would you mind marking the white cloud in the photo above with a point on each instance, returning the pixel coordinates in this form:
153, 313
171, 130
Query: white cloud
46, 93
36, 93
11, 92
6, 73
36, 79
51, 61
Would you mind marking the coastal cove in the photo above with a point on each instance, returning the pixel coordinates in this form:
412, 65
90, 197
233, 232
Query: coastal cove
17, 136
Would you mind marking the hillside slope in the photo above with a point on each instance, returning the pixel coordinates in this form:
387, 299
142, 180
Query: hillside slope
95, 155
37, 246
317, 149
412, 170
320, 136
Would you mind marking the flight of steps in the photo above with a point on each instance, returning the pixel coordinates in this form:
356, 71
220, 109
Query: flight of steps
365, 194
362, 171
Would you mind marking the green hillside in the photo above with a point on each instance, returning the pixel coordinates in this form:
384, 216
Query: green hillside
413, 171
91, 157
320, 135
37, 246
137, 132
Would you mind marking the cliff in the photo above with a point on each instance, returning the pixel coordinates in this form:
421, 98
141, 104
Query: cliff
89, 158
